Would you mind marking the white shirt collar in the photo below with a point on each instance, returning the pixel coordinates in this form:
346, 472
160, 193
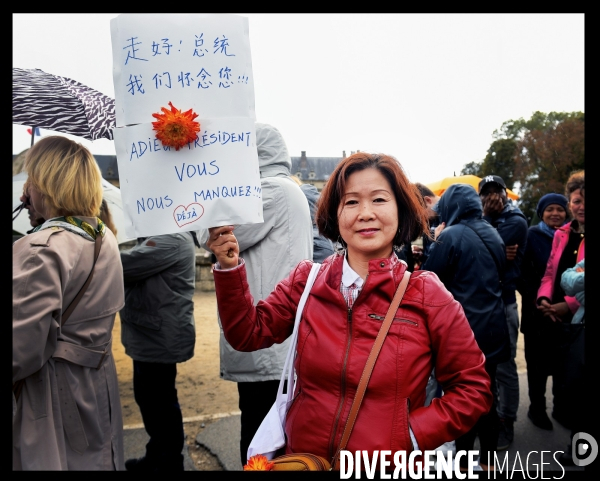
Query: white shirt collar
350, 277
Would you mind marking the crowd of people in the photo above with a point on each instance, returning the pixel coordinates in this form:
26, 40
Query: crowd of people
446, 370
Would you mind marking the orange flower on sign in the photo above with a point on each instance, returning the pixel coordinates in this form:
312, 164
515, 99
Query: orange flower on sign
258, 462
175, 128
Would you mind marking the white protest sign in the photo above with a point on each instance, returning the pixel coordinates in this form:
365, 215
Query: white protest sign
198, 62
213, 181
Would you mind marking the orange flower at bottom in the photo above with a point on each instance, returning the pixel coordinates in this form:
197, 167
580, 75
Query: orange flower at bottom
258, 462
175, 128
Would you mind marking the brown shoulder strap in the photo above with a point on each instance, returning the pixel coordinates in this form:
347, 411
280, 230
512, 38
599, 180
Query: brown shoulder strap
69, 310
366, 375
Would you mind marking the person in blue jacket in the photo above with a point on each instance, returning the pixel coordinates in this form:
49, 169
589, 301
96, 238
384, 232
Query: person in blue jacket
468, 256
573, 283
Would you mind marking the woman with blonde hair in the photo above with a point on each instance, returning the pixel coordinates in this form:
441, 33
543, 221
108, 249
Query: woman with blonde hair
67, 289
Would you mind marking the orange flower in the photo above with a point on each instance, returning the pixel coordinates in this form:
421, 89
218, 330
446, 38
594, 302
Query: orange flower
258, 462
174, 128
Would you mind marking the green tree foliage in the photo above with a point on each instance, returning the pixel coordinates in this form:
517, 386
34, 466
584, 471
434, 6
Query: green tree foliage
539, 154
545, 159
472, 168
516, 129
500, 160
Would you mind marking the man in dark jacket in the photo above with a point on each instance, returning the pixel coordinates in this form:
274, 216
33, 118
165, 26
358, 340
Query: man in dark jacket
158, 331
468, 257
512, 226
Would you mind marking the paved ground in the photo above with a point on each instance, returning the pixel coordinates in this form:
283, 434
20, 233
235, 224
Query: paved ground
135, 447
222, 438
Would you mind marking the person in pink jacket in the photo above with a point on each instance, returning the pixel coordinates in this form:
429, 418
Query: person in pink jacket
568, 248
551, 299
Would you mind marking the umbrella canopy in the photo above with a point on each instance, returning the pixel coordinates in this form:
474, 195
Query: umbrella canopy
111, 194
440, 186
41, 99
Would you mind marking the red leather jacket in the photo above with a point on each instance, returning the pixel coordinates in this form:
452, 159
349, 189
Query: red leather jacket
429, 330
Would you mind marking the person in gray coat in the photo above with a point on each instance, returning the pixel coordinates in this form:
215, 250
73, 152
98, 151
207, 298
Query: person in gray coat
67, 413
271, 250
158, 331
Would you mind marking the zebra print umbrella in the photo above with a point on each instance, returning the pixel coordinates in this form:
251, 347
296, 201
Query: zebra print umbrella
48, 101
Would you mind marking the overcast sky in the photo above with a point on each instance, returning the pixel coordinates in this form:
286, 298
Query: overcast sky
427, 89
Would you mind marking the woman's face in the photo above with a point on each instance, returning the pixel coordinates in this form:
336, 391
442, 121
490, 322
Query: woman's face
36, 199
577, 206
368, 215
554, 216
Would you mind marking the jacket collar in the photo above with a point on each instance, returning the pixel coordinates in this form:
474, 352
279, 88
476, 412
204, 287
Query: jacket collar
565, 228
377, 268
349, 275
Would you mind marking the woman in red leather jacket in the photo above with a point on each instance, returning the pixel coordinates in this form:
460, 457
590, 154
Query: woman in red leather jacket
369, 206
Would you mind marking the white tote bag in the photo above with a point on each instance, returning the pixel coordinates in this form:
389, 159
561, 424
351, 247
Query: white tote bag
271, 433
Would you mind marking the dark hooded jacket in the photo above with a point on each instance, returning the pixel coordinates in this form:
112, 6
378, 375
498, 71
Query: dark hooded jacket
469, 258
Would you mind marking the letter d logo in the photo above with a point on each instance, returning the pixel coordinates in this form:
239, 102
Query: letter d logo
584, 449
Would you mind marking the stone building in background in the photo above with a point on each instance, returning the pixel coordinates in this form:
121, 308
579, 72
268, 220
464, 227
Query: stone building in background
314, 170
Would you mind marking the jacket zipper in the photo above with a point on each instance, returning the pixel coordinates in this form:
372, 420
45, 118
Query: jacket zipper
336, 422
343, 386
381, 318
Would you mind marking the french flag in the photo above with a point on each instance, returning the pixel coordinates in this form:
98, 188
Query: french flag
37, 131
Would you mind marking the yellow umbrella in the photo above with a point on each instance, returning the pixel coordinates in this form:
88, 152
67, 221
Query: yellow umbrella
438, 187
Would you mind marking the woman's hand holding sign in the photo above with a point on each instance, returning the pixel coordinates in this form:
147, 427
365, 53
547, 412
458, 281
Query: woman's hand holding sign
224, 245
